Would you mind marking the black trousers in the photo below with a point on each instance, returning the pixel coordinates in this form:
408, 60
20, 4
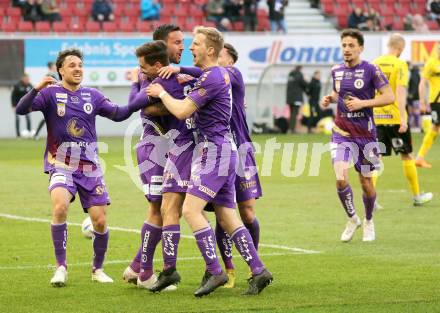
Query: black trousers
17, 123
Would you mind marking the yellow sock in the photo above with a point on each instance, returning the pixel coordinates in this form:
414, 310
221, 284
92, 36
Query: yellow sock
410, 171
428, 140
374, 178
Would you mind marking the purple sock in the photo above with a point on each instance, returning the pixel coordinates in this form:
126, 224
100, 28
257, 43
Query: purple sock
151, 238
224, 245
59, 239
369, 206
170, 243
346, 197
254, 230
136, 263
100, 243
243, 243
206, 241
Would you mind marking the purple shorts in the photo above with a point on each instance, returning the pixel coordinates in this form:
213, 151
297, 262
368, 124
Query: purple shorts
177, 172
247, 182
362, 152
213, 176
92, 190
150, 172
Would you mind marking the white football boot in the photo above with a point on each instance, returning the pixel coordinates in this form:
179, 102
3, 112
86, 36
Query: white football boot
423, 198
59, 279
130, 276
352, 225
101, 277
147, 284
369, 233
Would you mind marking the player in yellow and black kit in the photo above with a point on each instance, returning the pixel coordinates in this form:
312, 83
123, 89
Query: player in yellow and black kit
392, 119
431, 75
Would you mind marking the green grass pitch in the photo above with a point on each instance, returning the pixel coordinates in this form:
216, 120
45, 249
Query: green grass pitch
399, 272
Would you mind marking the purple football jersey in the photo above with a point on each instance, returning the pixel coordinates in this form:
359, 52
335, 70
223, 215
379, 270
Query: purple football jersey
360, 81
212, 96
178, 87
149, 129
239, 127
71, 132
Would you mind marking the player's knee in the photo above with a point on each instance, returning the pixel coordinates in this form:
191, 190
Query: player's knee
99, 223
247, 213
187, 212
60, 210
341, 184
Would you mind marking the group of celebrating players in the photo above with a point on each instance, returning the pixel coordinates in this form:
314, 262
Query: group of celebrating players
197, 116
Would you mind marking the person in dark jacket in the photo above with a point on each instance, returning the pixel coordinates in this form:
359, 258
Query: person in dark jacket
356, 19
32, 11
413, 97
276, 15
19, 90
296, 86
250, 8
102, 10
314, 92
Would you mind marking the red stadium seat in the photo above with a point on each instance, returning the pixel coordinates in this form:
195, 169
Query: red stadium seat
132, 12
8, 27
263, 25
24, 26
127, 26
80, 12
181, 12
398, 25
77, 26
197, 13
42, 27
166, 19
167, 11
238, 26
13, 12
419, 9
144, 26
2, 12
327, 8
342, 21
93, 27
110, 27
432, 25
60, 27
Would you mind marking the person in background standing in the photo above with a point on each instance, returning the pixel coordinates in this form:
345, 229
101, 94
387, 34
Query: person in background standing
19, 90
296, 86
314, 92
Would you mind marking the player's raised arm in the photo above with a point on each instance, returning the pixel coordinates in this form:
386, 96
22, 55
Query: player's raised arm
181, 109
115, 112
29, 101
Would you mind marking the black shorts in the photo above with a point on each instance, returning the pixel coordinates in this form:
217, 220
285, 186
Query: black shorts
389, 135
435, 113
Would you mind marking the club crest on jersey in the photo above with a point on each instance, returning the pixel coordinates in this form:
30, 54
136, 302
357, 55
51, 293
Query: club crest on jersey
202, 92
88, 108
74, 99
359, 83
61, 109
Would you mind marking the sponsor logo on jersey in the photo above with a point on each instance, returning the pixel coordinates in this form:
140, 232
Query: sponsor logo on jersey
339, 74
74, 99
61, 109
207, 191
359, 83
61, 95
202, 92
87, 94
348, 75
359, 73
87, 107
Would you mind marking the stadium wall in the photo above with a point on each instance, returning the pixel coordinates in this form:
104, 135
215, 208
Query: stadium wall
108, 60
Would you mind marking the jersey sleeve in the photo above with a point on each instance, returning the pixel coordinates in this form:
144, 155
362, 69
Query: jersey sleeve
402, 74
205, 89
378, 77
39, 103
104, 107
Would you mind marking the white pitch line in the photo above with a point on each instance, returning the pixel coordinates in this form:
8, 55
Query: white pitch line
137, 231
50, 266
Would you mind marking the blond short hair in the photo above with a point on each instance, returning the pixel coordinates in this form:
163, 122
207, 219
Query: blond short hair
396, 41
214, 38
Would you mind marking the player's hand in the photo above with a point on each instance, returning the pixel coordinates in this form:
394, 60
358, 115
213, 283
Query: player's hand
135, 75
46, 81
354, 104
423, 108
326, 100
154, 90
403, 127
167, 71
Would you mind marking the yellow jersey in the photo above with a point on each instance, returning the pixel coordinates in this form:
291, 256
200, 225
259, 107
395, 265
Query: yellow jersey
431, 72
396, 70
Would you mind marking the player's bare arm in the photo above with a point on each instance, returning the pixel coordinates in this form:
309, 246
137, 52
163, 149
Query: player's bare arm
422, 93
385, 96
181, 109
401, 93
157, 109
